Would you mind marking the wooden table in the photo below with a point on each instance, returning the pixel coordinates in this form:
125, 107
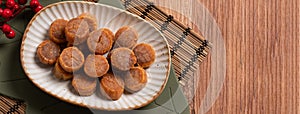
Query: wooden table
262, 40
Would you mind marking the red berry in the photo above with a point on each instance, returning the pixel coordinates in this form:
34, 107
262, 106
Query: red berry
38, 8
10, 3
34, 3
11, 34
6, 28
16, 7
7, 13
1, 11
22, 2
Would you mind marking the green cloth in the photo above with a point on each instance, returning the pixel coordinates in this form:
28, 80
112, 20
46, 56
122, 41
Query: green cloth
14, 83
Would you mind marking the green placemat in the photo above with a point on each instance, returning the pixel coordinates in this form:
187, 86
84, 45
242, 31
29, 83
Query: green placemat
14, 83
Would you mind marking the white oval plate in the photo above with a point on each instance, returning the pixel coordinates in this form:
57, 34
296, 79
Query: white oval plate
112, 18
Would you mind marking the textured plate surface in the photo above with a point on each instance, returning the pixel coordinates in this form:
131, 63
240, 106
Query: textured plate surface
112, 18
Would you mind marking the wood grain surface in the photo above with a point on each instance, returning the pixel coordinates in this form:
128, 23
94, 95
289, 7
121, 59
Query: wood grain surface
262, 40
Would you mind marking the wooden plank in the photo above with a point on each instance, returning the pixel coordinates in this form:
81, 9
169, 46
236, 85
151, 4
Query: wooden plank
262, 40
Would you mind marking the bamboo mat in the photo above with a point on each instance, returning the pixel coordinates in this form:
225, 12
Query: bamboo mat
11, 106
187, 47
